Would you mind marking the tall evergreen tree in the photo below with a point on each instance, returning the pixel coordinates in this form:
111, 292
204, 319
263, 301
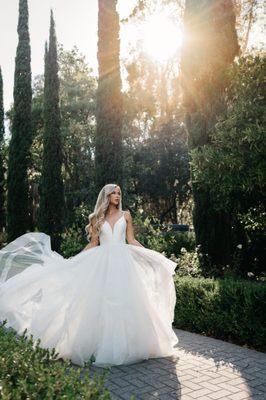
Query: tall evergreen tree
210, 47
51, 213
108, 151
18, 220
2, 174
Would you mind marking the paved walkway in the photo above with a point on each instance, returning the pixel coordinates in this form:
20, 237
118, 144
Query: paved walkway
202, 368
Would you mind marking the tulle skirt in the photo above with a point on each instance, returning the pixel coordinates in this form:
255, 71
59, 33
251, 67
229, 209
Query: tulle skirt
114, 302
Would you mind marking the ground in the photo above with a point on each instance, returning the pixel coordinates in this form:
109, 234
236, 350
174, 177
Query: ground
202, 368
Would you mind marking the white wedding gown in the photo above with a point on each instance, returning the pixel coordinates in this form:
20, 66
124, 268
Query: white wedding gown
114, 302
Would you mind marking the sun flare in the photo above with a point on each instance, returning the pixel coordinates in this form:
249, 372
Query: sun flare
161, 37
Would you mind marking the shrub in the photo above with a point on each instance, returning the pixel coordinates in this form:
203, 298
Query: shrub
147, 234
161, 238
74, 238
188, 264
28, 371
176, 241
223, 308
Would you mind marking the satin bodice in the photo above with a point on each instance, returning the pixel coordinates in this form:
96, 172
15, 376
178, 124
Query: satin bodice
115, 235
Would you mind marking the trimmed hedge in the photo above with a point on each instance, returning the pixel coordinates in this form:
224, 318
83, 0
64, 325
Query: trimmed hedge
28, 371
227, 309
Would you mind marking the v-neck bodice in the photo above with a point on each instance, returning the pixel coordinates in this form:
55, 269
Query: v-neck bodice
115, 235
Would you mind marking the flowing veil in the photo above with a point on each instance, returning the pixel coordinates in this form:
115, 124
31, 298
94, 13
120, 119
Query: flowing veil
25, 251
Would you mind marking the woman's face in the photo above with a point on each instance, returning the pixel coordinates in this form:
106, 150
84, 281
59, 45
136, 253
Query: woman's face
115, 196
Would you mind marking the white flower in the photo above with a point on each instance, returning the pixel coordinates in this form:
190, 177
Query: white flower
239, 246
250, 274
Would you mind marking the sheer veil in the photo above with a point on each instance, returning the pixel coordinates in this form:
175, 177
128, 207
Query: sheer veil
28, 249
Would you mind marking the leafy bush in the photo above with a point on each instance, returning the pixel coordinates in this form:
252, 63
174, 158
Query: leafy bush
161, 238
146, 233
253, 247
227, 309
74, 238
176, 241
188, 264
28, 371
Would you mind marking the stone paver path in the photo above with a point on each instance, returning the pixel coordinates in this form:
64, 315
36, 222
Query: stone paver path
202, 368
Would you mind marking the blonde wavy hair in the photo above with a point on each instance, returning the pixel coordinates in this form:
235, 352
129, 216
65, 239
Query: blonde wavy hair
100, 209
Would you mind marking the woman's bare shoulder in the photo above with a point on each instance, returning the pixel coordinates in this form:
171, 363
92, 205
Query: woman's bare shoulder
127, 215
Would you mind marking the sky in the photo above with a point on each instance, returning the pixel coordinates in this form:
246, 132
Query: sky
76, 25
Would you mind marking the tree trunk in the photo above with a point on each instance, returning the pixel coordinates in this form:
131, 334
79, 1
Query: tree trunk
108, 152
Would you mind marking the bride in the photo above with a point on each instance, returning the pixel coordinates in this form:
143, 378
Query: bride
112, 303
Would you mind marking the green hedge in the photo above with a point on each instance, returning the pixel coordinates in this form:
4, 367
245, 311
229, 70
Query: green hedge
28, 371
227, 309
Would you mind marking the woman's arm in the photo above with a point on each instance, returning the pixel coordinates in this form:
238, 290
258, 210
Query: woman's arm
130, 231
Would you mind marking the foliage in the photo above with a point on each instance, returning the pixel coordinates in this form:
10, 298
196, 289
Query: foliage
148, 235
18, 220
210, 46
227, 309
51, 214
108, 149
160, 237
74, 237
188, 264
28, 371
176, 241
195, 263
233, 167
78, 107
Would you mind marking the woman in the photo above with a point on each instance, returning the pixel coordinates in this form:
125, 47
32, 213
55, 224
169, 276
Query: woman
113, 302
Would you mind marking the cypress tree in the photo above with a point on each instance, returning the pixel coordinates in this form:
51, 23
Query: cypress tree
18, 219
51, 212
108, 147
2, 175
210, 47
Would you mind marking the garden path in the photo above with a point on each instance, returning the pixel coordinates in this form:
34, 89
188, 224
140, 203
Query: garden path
202, 368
